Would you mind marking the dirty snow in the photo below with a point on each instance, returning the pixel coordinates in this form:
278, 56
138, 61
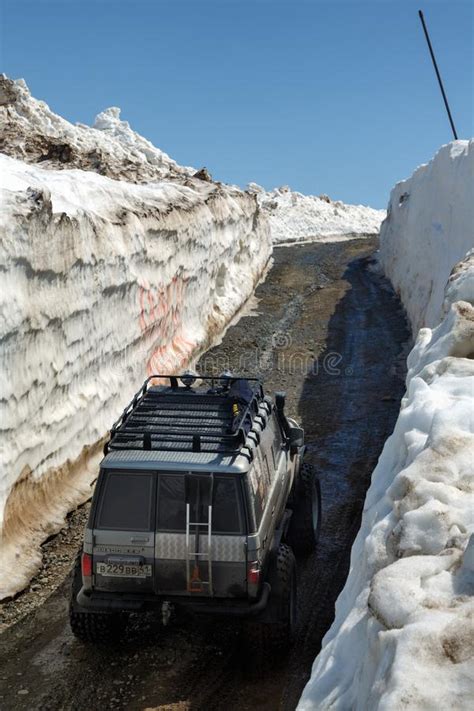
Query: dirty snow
102, 283
32, 132
403, 631
295, 217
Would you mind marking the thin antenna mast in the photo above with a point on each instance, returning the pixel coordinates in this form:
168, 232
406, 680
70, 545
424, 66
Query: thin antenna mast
438, 74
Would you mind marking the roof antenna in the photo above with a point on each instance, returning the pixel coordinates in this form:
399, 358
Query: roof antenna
438, 75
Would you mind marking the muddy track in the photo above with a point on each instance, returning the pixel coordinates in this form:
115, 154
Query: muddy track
331, 333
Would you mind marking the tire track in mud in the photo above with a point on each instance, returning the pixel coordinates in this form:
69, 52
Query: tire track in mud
330, 332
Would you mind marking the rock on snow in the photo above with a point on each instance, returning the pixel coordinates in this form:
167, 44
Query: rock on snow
403, 631
103, 282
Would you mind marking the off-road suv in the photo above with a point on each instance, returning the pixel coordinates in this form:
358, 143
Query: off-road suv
201, 501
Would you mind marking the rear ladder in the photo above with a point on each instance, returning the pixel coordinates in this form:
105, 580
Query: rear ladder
199, 492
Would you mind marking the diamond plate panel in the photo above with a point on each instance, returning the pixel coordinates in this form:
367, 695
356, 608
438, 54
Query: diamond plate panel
172, 546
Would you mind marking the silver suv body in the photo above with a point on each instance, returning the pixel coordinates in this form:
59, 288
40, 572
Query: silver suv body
192, 506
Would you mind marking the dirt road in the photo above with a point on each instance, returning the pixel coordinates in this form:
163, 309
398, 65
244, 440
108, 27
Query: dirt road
332, 333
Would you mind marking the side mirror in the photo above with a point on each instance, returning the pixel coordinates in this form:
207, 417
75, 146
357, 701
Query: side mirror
296, 438
280, 400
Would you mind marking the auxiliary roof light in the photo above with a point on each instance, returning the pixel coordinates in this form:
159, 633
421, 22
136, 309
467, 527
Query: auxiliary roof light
188, 378
224, 379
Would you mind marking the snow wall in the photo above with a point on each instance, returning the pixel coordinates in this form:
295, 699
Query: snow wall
428, 229
103, 282
403, 631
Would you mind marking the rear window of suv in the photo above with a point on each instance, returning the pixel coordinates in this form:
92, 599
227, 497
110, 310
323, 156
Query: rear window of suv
227, 515
126, 502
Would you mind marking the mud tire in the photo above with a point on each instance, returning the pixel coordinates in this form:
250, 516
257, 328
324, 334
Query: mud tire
266, 640
92, 627
305, 522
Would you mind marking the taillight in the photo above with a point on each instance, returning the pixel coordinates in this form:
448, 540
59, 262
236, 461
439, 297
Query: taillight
86, 565
253, 573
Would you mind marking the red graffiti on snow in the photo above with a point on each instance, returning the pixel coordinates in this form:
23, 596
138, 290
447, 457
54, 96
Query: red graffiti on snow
161, 324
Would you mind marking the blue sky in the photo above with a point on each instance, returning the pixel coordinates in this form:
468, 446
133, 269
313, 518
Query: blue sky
328, 97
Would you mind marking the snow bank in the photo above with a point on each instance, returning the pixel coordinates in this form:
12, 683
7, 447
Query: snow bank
429, 228
102, 282
403, 631
295, 217
402, 637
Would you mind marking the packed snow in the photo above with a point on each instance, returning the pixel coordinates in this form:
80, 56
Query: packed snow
306, 218
403, 631
103, 282
429, 228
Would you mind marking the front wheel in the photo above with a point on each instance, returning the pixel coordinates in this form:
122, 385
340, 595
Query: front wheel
305, 521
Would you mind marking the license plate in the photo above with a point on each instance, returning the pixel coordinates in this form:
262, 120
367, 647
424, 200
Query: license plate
122, 570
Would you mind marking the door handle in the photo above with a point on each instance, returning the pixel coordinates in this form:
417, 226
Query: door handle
139, 539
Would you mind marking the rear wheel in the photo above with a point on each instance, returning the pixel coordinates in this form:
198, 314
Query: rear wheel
95, 627
274, 637
306, 518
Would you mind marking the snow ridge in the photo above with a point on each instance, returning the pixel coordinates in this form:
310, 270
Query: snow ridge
33, 133
295, 217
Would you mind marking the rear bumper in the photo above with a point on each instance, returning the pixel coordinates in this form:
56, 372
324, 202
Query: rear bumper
108, 602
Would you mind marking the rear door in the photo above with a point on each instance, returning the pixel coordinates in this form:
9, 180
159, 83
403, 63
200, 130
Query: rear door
184, 564
123, 546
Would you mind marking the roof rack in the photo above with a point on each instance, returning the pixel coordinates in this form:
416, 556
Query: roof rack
215, 417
